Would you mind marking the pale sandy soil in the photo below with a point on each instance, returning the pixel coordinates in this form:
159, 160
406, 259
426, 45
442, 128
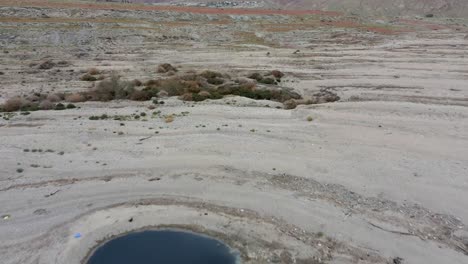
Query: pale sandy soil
379, 175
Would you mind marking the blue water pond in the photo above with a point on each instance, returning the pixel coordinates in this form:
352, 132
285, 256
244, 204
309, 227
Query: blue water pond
164, 247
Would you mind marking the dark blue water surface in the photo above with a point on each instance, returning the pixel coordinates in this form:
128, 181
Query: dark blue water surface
163, 247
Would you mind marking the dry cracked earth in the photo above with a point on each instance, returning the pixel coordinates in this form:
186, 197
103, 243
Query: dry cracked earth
380, 176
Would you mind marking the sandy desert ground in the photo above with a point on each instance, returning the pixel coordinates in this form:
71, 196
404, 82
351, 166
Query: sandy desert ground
380, 176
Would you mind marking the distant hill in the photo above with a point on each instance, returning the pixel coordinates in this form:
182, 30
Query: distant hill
457, 8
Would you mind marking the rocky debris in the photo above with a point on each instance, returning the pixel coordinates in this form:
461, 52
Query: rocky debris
166, 67
324, 96
290, 104
46, 65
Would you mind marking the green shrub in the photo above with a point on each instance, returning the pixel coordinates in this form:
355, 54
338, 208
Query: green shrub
267, 80
60, 106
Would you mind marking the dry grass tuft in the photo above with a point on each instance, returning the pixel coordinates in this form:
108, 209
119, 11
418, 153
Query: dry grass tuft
169, 119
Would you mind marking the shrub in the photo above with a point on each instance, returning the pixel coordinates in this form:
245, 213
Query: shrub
137, 83
255, 76
88, 78
13, 104
267, 80
46, 65
33, 98
60, 106
163, 93
94, 71
166, 67
30, 106
153, 91
70, 106
192, 86
211, 74
46, 105
75, 98
205, 94
290, 104
310, 119
215, 81
169, 119
277, 74
186, 97
152, 83
53, 98
138, 95
173, 86
63, 63
111, 89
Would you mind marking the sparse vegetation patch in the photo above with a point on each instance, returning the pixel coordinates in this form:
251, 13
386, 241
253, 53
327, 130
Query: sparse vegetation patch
190, 86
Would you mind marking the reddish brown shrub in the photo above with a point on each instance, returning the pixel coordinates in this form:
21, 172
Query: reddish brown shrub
46, 105
138, 95
186, 97
75, 98
277, 74
54, 98
13, 104
93, 71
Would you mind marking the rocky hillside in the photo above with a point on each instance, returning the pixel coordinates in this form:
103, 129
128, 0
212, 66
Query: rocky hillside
456, 8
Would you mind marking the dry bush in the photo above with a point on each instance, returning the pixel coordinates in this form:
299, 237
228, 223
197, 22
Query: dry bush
88, 78
169, 119
173, 86
186, 97
267, 80
277, 74
111, 89
75, 98
211, 74
255, 76
205, 94
138, 95
152, 83
290, 104
93, 71
137, 83
192, 86
13, 104
33, 98
165, 68
163, 93
54, 98
46, 105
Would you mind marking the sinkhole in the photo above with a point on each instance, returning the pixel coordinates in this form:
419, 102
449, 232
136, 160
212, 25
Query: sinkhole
164, 247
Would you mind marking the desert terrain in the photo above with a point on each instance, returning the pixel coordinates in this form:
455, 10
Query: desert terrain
376, 174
